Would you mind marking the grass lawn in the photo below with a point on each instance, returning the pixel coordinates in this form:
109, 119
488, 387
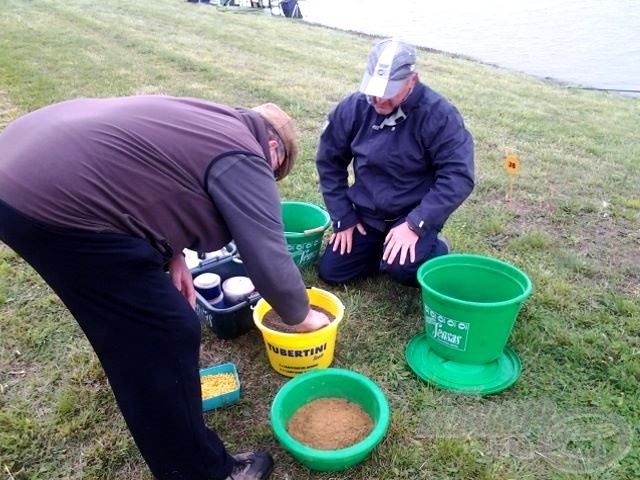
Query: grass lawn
572, 223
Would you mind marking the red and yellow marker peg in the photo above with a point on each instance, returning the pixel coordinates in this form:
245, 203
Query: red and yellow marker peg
512, 167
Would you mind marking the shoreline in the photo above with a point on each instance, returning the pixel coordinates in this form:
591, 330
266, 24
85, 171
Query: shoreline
553, 81
575, 79
628, 93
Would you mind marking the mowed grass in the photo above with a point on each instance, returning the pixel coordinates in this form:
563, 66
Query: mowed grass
571, 223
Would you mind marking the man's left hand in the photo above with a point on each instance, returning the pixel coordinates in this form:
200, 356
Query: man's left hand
400, 239
181, 278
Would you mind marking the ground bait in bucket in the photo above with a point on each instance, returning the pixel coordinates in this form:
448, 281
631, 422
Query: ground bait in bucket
217, 384
330, 424
273, 321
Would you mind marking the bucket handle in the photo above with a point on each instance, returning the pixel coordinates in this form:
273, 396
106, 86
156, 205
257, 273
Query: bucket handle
314, 230
311, 231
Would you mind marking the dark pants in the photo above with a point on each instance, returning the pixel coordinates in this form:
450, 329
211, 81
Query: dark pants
144, 332
366, 257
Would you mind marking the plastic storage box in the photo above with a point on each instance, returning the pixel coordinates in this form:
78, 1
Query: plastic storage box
234, 320
225, 398
194, 259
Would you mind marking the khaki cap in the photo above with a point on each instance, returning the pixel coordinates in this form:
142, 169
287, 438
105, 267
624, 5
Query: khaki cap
284, 126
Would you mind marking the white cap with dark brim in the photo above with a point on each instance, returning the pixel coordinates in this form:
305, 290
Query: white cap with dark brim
390, 63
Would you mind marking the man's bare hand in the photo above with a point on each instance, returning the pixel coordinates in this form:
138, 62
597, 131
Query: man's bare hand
181, 278
400, 239
344, 240
313, 321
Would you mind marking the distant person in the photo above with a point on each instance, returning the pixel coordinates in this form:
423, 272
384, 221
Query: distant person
291, 9
412, 159
101, 196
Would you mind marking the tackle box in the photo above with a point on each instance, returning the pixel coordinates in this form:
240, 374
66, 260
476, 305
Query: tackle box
231, 321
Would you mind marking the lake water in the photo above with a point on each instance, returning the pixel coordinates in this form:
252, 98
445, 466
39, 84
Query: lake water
588, 43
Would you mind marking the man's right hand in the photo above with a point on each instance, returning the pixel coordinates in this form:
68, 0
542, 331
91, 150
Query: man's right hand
343, 240
313, 321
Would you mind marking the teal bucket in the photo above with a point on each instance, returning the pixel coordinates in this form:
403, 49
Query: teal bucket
304, 227
470, 304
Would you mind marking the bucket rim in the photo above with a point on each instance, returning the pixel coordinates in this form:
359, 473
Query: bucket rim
367, 444
333, 324
325, 225
433, 263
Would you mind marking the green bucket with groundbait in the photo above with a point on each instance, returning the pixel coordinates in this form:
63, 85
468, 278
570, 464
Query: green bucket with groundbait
470, 304
330, 383
304, 226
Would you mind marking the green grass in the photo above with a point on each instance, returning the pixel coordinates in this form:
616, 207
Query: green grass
572, 223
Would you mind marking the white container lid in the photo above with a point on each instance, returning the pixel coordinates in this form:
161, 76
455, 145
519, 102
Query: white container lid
237, 286
207, 280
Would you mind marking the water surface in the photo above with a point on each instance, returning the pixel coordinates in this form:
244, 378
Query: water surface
586, 43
